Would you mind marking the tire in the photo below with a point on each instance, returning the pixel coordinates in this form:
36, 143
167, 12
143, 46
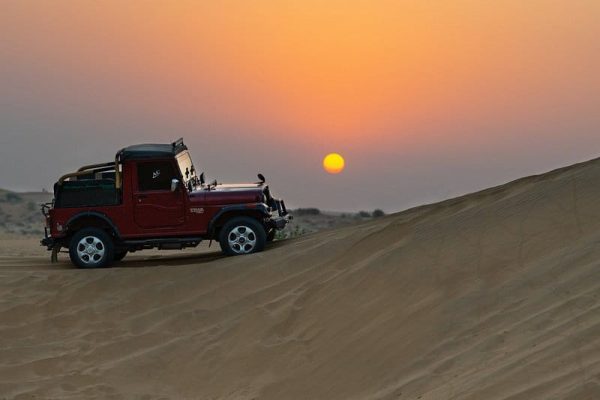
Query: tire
91, 248
119, 255
271, 235
242, 235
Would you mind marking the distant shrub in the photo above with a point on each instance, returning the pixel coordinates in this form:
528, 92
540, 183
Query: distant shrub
34, 218
289, 233
307, 211
13, 198
31, 231
279, 235
377, 213
364, 214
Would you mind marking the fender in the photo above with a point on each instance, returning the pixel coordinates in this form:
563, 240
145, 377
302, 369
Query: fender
261, 208
94, 214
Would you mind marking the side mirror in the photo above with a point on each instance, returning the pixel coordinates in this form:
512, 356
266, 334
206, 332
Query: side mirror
174, 184
202, 179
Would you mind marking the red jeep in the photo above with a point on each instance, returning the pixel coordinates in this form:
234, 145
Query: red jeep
152, 197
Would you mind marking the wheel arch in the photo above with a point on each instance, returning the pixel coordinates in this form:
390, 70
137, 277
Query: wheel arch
226, 213
90, 219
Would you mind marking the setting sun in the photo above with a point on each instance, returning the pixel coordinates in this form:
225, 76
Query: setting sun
333, 163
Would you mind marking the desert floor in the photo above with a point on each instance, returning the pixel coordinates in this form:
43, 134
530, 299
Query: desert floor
494, 295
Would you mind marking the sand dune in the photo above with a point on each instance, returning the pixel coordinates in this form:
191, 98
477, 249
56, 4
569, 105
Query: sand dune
494, 295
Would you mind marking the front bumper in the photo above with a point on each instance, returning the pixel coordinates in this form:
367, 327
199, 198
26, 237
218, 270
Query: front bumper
280, 216
279, 222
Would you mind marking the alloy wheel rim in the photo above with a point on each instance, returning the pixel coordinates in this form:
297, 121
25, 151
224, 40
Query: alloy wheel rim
91, 250
242, 239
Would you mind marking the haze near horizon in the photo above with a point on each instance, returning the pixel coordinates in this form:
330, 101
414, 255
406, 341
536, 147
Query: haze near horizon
424, 101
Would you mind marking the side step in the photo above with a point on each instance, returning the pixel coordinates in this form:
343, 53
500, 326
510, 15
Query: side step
162, 243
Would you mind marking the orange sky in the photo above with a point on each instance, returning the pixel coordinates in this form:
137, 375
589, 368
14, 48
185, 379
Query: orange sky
359, 77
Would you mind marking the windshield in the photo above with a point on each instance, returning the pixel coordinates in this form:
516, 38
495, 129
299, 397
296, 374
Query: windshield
188, 172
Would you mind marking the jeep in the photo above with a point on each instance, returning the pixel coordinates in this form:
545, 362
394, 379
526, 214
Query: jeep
151, 196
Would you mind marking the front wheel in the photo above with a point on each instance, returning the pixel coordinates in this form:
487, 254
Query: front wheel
242, 235
91, 248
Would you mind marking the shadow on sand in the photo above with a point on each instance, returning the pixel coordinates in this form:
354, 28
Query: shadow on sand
157, 260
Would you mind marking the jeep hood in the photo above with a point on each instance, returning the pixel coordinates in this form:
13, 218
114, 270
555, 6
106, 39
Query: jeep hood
235, 193
237, 186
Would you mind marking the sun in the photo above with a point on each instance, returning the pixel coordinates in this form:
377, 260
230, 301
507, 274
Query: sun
333, 163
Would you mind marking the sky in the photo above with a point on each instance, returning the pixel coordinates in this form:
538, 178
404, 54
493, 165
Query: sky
425, 100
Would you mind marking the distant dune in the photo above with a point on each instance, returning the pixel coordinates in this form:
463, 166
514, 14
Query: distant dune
493, 295
20, 213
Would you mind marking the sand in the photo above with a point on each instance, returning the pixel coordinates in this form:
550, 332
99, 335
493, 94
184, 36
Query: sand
494, 295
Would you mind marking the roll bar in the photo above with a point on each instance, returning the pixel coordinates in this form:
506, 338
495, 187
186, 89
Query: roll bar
94, 166
86, 169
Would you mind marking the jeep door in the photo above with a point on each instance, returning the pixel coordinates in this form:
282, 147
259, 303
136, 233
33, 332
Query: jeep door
155, 205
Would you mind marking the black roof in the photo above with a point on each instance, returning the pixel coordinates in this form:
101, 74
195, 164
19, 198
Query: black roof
143, 151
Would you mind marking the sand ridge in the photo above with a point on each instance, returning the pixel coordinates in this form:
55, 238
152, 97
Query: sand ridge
494, 295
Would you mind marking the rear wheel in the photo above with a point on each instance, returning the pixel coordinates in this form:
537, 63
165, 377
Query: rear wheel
91, 248
242, 235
